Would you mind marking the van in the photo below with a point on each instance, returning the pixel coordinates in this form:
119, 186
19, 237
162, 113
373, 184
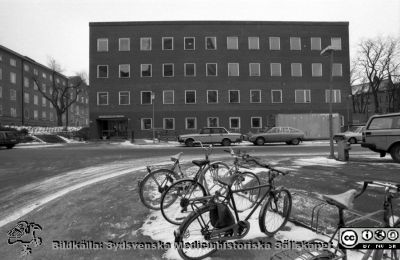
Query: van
382, 135
8, 139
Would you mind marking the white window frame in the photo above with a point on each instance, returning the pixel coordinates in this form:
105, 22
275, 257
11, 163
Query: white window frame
129, 71
119, 97
317, 43
44, 114
306, 93
336, 43
293, 67
173, 97
13, 77
229, 96
26, 98
142, 39
35, 100
142, 123
163, 43
164, 123
142, 70
184, 67
98, 66
234, 41
194, 43
251, 122
230, 122
257, 72
141, 97
236, 72
211, 90
13, 112
120, 40
280, 69
216, 69
195, 96
163, 70
35, 114
195, 123
251, 96
214, 40
13, 62
271, 40
295, 43
314, 68
13, 95
272, 96
336, 98
98, 98
212, 117
44, 102
99, 40
257, 43
340, 70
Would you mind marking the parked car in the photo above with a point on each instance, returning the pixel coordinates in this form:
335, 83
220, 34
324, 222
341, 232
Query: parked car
211, 135
382, 135
353, 136
8, 139
289, 135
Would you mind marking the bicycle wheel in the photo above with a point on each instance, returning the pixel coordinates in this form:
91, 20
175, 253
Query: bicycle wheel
153, 185
275, 213
196, 229
175, 204
211, 175
246, 199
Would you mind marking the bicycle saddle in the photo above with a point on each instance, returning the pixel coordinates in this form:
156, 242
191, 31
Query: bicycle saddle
200, 162
176, 157
343, 200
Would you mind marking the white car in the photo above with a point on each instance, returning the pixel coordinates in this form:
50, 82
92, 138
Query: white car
353, 136
211, 135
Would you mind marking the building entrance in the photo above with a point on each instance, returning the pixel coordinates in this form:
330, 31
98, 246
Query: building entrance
113, 128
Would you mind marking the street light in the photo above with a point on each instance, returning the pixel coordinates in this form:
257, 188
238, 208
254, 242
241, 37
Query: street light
153, 96
330, 49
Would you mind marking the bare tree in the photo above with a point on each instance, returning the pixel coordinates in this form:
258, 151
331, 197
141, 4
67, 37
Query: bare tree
61, 94
376, 59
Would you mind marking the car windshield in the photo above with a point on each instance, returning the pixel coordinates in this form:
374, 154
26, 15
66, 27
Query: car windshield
273, 130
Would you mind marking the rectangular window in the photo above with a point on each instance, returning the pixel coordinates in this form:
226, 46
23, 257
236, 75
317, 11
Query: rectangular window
234, 122
13, 112
336, 97
124, 44
254, 43
337, 69
169, 123
336, 43
35, 114
13, 77
212, 96
233, 69
44, 115
167, 43
1, 73
168, 70
302, 96
256, 122
51, 116
146, 97
26, 98
234, 96
168, 97
190, 96
315, 43
211, 69
102, 98
316, 69
44, 102
276, 96
146, 123
13, 94
276, 69
1, 109
254, 69
124, 70
1, 92
211, 43
35, 100
35, 72
255, 96
190, 123
102, 71
124, 98
295, 43
44, 88
232, 43
212, 122
13, 62
145, 44
274, 43
296, 70
102, 44
26, 82
190, 69
145, 70
189, 43
26, 67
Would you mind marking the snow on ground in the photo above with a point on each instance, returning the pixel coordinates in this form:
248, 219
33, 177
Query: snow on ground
317, 161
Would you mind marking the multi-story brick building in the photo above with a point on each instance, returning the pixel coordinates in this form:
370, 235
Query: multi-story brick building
183, 75
21, 102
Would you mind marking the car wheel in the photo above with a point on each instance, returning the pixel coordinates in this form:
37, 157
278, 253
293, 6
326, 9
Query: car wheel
9, 146
395, 152
189, 142
226, 142
295, 141
288, 142
352, 140
260, 141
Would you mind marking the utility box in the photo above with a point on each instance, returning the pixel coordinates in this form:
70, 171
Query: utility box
343, 148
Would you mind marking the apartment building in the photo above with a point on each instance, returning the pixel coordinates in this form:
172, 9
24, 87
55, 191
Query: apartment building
180, 76
21, 102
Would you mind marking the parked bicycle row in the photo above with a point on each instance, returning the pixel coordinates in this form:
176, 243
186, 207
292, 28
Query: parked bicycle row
210, 206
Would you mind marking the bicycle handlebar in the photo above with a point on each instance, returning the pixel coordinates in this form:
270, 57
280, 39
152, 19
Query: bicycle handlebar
382, 184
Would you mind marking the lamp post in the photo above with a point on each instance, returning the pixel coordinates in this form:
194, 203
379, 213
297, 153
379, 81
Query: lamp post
348, 111
153, 96
330, 49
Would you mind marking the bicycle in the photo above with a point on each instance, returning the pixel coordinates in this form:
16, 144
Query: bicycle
175, 200
156, 182
202, 228
343, 202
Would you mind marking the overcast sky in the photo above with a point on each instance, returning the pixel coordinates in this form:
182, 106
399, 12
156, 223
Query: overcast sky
60, 28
